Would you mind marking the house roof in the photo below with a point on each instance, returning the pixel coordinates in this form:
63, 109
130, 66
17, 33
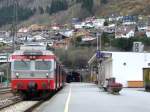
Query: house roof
124, 29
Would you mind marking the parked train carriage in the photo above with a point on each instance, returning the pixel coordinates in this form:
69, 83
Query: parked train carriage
35, 71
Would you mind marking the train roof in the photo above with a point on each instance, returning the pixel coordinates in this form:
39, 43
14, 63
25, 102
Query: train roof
33, 52
33, 46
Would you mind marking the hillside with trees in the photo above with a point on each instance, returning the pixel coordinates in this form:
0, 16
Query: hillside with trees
66, 9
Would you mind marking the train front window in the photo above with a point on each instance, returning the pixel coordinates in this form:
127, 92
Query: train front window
43, 65
22, 65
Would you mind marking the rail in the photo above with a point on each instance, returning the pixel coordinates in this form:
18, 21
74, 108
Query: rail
5, 90
4, 103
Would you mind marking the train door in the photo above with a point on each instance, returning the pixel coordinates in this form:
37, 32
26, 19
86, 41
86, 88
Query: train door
62, 77
59, 75
56, 75
146, 78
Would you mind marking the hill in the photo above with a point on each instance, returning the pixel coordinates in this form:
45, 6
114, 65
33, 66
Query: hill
49, 11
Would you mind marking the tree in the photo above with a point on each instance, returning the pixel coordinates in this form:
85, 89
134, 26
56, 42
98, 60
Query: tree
124, 44
48, 10
7, 14
88, 5
105, 23
57, 5
41, 10
76, 57
104, 1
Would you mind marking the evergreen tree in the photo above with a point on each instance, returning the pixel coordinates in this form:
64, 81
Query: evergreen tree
7, 14
56, 6
41, 10
88, 5
104, 1
48, 10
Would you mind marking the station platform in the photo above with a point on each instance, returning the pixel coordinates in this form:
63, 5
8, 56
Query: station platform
86, 97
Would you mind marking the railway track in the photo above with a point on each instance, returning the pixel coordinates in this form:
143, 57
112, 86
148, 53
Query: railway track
6, 102
20, 106
16, 104
5, 90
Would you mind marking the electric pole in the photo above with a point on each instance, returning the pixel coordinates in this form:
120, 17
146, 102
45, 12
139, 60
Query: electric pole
14, 24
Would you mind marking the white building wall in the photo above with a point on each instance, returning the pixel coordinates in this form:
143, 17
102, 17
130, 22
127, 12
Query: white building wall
128, 66
148, 34
108, 68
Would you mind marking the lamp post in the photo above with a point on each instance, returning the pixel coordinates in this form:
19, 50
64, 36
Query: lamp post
99, 57
110, 43
97, 36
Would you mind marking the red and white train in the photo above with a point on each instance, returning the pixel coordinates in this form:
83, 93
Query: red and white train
35, 70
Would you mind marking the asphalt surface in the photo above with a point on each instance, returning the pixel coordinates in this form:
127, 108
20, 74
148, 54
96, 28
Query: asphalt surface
85, 97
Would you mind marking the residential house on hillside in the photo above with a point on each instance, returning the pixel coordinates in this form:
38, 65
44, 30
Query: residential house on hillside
4, 34
38, 28
62, 39
110, 29
142, 26
75, 20
98, 23
88, 38
81, 32
67, 33
124, 31
55, 27
78, 25
129, 20
22, 32
90, 23
148, 31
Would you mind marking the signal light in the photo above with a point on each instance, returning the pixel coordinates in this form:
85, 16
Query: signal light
32, 57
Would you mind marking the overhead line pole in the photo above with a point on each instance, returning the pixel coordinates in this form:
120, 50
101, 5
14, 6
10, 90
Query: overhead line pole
14, 25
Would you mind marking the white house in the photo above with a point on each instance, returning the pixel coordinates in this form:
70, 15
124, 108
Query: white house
4, 34
88, 38
78, 26
124, 66
124, 31
38, 37
148, 31
67, 33
129, 23
98, 23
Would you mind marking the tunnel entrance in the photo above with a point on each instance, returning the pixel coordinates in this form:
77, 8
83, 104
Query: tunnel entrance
74, 76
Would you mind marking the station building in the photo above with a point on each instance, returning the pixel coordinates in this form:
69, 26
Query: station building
126, 67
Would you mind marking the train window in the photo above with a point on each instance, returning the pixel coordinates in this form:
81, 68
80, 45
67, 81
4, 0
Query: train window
22, 65
43, 65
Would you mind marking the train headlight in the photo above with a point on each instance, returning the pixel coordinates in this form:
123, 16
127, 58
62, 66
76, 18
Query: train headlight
47, 75
17, 75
